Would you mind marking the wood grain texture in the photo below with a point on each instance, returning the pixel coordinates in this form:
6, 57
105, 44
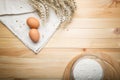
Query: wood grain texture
91, 31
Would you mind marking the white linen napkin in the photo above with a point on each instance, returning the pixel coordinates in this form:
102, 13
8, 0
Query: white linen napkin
15, 20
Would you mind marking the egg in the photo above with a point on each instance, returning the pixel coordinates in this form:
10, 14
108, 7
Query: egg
33, 23
34, 35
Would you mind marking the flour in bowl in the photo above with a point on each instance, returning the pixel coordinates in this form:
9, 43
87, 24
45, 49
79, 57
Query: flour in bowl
87, 69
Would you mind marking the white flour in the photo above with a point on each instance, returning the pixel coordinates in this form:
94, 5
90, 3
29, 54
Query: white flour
87, 69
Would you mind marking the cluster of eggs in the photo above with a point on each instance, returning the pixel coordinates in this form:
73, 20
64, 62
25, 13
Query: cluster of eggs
33, 24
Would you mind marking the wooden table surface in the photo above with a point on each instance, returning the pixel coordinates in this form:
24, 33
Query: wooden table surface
92, 30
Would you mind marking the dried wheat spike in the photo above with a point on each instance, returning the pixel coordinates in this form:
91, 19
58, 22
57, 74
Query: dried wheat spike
63, 8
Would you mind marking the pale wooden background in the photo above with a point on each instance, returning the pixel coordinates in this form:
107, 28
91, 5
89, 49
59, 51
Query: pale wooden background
92, 28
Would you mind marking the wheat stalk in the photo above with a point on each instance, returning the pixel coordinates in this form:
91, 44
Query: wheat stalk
63, 8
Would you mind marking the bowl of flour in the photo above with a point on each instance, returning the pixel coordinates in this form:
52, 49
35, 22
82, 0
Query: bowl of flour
92, 66
87, 69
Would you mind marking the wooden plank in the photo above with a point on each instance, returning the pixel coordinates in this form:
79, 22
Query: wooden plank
97, 13
5, 32
83, 43
86, 33
92, 4
46, 52
94, 23
36, 79
66, 43
32, 68
96, 3
27, 79
56, 52
11, 42
6, 79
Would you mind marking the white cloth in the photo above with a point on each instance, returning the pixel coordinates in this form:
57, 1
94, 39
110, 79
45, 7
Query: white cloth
17, 23
15, 7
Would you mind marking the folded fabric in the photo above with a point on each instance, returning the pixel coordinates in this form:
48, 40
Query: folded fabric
15, 20
15, 7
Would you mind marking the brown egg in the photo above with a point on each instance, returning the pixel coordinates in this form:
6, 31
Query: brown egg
34, 35
33, 23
